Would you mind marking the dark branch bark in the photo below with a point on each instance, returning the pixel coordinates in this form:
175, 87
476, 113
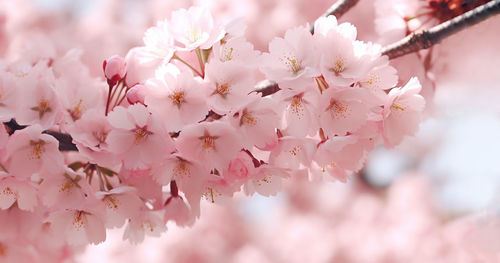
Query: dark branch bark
338, 9
65, 140
429, 37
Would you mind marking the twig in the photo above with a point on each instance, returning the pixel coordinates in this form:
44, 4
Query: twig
427, 38
338, 9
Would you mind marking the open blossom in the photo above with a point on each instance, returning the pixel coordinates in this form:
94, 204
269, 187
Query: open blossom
293, 153
345, 110
82, 225
90, 134
257, 122
64, 190
291, 57
213, 144
300, 116
178, 97
146, 223
158, 43
178, 211
340, 155
237, 50
120, 203
41, 106
194, 28
189, 175
229, 86
13, 190
138, 137
77, 91
338, 62
30, 151
402, 112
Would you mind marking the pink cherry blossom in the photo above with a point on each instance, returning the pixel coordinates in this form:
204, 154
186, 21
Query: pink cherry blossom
13, 190
137, 137
257, 122
178, 211
120, 203
138, 227
291, 57
64, 190
194, 28
335, 156
229, 86
344, 111
30, 151
293, 153
82, 225
136, 94
178, 97
238, 50
402, 112
41, 106
213, 144
90, 134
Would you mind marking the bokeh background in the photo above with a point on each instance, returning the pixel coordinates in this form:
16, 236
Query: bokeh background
435, 198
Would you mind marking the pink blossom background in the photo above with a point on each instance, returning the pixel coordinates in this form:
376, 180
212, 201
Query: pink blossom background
432, 199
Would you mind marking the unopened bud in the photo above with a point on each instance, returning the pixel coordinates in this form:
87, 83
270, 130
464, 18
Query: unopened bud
115, 69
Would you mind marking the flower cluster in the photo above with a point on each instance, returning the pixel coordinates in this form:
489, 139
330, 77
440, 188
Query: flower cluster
182, 119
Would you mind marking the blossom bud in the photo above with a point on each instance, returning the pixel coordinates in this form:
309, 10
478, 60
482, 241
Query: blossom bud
136, 94
115, 69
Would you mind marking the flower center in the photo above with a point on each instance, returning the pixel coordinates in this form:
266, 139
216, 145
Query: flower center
76, 112
177, 98
38, 148
338, 109
141, 133
221, 89
294, 65
42, 108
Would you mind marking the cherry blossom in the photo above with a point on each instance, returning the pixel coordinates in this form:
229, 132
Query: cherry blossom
137, 137
402, 112
181, 121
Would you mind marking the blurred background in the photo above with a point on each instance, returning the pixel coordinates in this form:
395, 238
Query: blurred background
434, 198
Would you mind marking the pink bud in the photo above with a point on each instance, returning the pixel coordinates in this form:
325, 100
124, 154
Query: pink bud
115, 68
136, 94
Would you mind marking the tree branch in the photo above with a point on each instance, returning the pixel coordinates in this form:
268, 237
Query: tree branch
412, 43
338, 9
429, 37
65, 140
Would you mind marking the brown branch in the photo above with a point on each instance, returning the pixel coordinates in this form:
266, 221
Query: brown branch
338, 9
429, 37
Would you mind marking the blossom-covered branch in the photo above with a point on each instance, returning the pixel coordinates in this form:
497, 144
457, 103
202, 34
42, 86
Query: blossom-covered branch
427, 38
338, 9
